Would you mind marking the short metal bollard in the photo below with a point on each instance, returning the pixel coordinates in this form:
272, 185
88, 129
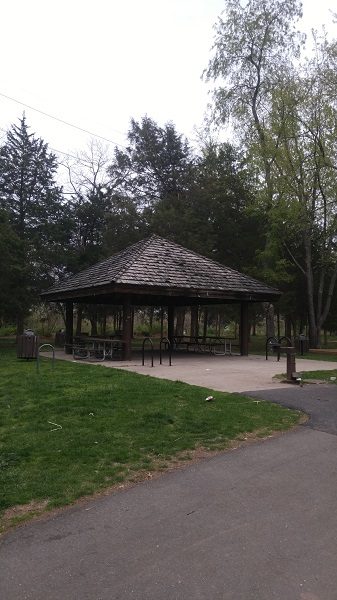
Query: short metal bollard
147, 340
166, 342
38, 356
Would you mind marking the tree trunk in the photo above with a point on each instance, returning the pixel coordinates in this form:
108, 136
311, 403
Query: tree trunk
287, 326
270, 322
236, 329
278, 323
93, 321
205, 324
180, 321
103, 325
314, 334
151, 318
194, 321
79, 319
19, 324
162, 322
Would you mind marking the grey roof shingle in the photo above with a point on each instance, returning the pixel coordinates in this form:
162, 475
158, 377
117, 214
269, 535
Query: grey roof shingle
160, 263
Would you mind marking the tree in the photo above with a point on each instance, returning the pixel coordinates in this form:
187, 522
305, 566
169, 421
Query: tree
15, 273
156, 164
32, 201
87, 210
224, 204
286, 113
254, 43
305, 112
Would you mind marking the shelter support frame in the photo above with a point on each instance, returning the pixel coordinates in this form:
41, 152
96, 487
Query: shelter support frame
69, 306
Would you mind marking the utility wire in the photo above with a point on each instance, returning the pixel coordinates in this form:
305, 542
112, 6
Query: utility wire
77, 158
62, 121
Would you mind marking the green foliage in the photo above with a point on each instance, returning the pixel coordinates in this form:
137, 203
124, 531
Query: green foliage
28, 191
156, 164
15, 288
7, 330
322, 375
125, 224
33, 204
254, 41
87, 213
230, 229
284, 108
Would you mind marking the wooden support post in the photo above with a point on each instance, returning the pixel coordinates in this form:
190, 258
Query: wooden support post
244, 329
205, 323
170, 324
69, 327
162, 322
127, 328
194, 321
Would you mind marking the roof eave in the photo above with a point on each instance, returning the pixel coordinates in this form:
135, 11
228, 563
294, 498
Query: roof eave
269, 295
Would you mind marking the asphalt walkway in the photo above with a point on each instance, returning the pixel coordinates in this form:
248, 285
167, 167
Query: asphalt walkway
318, 401
254, 523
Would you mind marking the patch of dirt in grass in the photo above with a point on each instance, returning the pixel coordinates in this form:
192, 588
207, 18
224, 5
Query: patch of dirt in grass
15, 514
19, 515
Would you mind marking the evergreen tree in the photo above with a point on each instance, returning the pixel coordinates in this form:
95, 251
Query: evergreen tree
15, 273
156, 165
32, 200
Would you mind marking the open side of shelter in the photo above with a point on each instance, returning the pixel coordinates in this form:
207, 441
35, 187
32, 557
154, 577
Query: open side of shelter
158, 272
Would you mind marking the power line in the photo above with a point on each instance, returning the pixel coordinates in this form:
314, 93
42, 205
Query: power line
77, 158
62, 121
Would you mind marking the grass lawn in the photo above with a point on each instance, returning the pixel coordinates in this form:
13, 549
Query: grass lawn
321, 375
318, 356
81, 428
257, 345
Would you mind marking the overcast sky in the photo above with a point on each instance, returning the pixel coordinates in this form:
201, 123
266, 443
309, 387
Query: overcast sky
97, 64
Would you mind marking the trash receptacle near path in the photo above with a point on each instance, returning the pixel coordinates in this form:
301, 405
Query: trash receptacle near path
27, 344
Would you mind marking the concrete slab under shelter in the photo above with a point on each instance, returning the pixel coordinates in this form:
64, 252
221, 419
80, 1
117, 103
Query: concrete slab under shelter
223, 373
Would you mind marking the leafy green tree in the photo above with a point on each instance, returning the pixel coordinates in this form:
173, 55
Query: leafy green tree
286, 111
255, 41
305, 175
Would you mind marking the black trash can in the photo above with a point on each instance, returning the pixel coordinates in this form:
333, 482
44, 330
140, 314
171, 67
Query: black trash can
27, 344
303, 344
60, 339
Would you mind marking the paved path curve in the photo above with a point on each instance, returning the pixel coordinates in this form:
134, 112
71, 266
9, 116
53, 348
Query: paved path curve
318, 401
255, 523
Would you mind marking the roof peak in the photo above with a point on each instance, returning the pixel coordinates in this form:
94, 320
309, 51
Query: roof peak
158, 263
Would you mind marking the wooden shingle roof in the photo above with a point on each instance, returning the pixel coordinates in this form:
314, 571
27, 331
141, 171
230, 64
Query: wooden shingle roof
157, 265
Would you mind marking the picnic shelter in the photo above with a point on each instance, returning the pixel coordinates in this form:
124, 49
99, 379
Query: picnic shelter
158, 272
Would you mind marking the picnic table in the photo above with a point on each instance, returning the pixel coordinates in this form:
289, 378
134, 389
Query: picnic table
98, 348
212, 344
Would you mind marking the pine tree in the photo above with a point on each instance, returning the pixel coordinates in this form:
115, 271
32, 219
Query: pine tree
32, 201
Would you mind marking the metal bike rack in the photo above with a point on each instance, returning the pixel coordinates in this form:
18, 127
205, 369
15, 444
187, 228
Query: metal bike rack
275, 345
38, 356
147, 339
167, 343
